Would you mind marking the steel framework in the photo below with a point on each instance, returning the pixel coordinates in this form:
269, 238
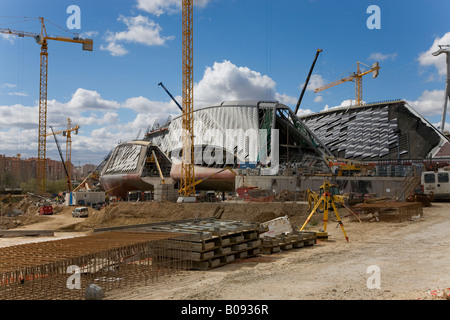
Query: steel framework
187, 188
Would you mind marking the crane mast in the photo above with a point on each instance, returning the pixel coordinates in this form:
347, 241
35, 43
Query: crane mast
187, 186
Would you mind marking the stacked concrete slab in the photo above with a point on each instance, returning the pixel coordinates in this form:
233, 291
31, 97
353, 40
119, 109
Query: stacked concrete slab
287, 241
209, 243
214, 243
166, 192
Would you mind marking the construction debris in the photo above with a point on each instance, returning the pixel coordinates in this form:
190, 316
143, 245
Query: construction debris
276, 227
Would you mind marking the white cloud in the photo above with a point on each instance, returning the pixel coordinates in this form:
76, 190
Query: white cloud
344, 104
21, 94
430, 103
83, 100
438, 125
159, 7
7, 37
304, 112
88, 34
140, 30
427, 59
224, 81
9, 117
318, 99
102, 122
116, 50
285, 99
377, 56
315, 81
8, 85
158, 109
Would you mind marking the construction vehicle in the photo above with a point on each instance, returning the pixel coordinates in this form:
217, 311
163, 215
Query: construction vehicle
307, 81
347, 167
357, 78
42, 39
46, 210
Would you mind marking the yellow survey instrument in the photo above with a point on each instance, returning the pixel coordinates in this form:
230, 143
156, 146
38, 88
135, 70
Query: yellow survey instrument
327, 199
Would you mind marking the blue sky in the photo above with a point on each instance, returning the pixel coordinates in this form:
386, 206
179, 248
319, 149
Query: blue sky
247, 49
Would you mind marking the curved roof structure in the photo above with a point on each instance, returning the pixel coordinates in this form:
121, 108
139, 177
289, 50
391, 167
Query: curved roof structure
388, 130
248, 130
265, 136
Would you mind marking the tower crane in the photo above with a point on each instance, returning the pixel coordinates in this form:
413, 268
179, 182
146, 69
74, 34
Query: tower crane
187, 183
357, 77
68, 134
42, 39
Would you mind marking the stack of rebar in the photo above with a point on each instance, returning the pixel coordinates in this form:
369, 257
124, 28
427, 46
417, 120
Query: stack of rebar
64, 269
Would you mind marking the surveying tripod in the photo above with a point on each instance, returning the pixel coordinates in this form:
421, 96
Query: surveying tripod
328, 201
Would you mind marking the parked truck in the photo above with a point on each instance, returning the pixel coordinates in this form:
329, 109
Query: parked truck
436, 184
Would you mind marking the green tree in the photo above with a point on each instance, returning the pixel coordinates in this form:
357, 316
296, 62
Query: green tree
29, 186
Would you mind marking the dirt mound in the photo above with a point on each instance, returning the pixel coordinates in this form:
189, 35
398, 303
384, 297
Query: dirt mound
126, 213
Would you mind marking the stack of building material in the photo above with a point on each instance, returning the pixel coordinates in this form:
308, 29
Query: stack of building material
287, 241
165, 192
210, 243
214, 243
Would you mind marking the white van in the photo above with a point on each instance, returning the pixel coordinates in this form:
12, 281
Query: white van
80, 212
436, 184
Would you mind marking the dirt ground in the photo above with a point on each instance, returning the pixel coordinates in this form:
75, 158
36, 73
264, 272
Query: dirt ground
412, 258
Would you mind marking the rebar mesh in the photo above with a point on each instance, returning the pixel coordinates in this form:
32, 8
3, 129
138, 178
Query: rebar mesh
63, 269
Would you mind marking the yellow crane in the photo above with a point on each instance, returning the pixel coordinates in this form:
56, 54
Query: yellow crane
357, 77
42, 39
68, 134
187, 182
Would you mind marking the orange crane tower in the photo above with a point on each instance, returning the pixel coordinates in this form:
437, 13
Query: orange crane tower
187, 183
357, 77
42, 38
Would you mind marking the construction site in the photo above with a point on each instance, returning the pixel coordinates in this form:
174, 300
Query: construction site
241, 200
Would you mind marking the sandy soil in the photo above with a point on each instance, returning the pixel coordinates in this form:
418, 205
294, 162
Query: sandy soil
413, 256
413, 259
